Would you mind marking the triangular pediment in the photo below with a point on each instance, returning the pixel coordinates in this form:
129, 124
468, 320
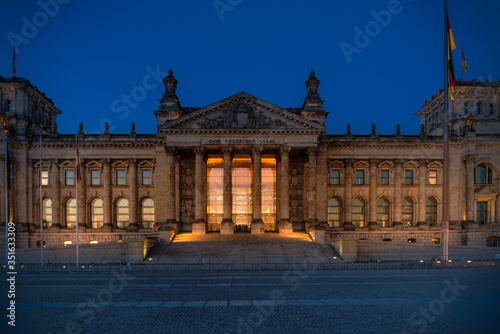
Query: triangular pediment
335, 163
435, 164
93, 164
411, 164
386, 163
486, 191
361, 164
242, 112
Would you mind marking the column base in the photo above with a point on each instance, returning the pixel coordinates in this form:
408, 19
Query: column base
423, 226
168, 225
374, 226
227, 226
105, 228
257, 226
285, 226
133, 228
199, 227
398, 226
348, 226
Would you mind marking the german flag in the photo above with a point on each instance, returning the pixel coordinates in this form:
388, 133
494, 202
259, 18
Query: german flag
78, 168
464, 63
451, 46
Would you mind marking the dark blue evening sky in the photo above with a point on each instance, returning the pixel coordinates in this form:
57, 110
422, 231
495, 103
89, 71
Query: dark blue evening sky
90, 53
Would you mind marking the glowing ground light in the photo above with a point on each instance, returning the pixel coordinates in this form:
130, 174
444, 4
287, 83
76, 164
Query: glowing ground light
450, 261
469, 261
438, 261
421, 261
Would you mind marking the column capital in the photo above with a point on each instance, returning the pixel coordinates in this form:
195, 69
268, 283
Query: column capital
257, 150
374, 162
349, 162
285, 150
312, 151
132, 161
398, 162
171, 150
470, 158
423, 163
199, 150
226, 150
106, 161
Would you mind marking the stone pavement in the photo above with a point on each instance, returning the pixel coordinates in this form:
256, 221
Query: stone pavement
385, 301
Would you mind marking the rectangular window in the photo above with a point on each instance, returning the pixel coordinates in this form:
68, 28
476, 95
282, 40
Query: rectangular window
335, 176
433, 174
121, 177
45, 177
70, 177
408, 177
360, 177
384, 177
95, 177
146, 177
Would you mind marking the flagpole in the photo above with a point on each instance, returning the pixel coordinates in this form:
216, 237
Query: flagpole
13, 60
6, 201
76, 189
445, 219
41, 206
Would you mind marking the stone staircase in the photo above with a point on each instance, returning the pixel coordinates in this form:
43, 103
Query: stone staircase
242, 248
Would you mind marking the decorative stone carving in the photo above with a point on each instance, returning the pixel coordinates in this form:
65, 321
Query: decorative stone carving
398, 130
132, 129
171, 150
80, 129
243, 116
187, 169
374, 132
348, 132
296, 189
422, 130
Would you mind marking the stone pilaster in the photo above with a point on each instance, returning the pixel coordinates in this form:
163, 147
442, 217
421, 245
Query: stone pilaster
106, 195
257, 223
372, 220
55, 183
322, 180
470, 161
285, 226
199, 226
422, 181
311, 189
82, 196
134, 221
170, 204
227, 225
348, 195
398, 171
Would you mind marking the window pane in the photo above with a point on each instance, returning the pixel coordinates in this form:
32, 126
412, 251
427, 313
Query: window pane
335, 176
360, 177
120, 177
70, 177
481, 174
408, 177
146, 177
358, 212
148, 213
122, 213
70, 213
333, 212
47, 212
433, 177
407, 212
383, 212
431, 211
45, 178
95, 174
384, 177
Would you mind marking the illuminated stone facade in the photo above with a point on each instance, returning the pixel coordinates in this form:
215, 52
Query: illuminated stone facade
243, 164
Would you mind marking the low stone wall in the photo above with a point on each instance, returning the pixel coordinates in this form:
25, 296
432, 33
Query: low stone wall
132, 251
411, 243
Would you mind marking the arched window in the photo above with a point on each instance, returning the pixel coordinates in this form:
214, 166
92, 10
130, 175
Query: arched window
334, 212
466, 108
483, 175
122, 213
431, 211
358, 212
478, 108
383, 212
148, 213
407, 217
47, 212
492, 108
97, 213
70, 213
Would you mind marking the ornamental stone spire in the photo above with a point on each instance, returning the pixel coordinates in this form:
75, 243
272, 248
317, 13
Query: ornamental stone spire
170, 107
312, 108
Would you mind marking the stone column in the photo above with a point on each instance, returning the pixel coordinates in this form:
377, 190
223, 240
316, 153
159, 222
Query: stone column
55, 182
134, 222
398, 171
227, 225
470, 161
422, 181
285, 226
348, 195
82, 197
372, 207
257, 223
106, 195
199, 225
311, 189
170, 204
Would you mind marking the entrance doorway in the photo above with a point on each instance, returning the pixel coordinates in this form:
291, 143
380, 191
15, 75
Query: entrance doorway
241, 174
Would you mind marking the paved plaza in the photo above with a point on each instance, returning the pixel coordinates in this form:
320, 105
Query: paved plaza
382, 301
